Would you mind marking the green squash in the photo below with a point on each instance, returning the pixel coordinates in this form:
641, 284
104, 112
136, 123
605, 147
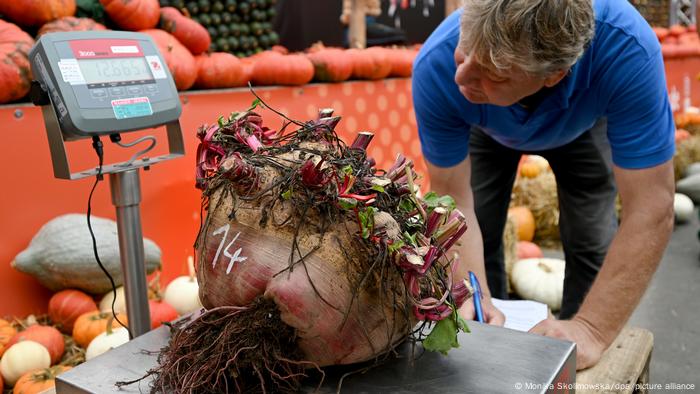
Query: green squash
60, 256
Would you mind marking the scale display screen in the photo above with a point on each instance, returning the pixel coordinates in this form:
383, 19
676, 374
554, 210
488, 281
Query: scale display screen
120, 69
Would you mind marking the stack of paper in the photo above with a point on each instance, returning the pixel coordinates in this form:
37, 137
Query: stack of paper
521, 315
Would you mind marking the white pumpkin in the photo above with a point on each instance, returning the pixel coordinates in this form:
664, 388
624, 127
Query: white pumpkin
119, 305
540, 279
692, 169
183, 292
21, 358
106, 341
682, 208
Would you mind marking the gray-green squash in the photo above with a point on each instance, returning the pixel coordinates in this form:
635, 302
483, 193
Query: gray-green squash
60, 255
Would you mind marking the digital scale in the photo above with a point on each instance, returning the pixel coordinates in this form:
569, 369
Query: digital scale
105, 83
102, 83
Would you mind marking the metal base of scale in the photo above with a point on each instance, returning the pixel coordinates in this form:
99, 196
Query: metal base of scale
126, 197
490, 360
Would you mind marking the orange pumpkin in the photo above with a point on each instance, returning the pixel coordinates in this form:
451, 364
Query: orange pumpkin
661, 33
676, 30
529, 169
39, 381
220, 70
371, 63
15, 72
36, 12
682, 135
69, 23
66, 305
524, 222
161, 312
401, 62
48, 336
7, 331
91, 324
528, 250
330, 64
133, 14
274, 68
180, 61
190, 33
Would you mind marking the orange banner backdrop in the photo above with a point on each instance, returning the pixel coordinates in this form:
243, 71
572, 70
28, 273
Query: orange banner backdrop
170, 208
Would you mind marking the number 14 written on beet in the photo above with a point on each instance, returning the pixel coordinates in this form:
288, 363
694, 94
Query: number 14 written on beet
236, 256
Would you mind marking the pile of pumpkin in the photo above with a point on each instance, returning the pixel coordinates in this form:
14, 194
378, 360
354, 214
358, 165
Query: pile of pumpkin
678, 41
535, 216
185, 45
34, 351
686, 163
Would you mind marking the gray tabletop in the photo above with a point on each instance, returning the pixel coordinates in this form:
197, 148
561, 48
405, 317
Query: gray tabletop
490, 360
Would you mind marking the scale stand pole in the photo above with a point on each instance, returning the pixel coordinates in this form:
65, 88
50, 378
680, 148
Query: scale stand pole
126, 197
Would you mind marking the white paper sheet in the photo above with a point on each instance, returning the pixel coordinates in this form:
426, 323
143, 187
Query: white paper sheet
521, 315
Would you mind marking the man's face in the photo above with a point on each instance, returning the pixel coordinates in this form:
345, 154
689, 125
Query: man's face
485, 85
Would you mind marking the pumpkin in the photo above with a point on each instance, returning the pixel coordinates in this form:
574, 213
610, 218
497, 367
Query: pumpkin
180, 61
133, 14
2, 383
60, 255
108, 340
676, 30
40, 381
330, 64
15, 72
401, 61
36, 12
119, 305
371, 63
692, 169
69, 23
21, 358
529, 170
7, 331
66, 305
681, 135
540, 279
190, 33
682, 208
274, 68
524, 222
220, 70
690, 186
541, 162
91, 324
661, 33
527, 250
48, 336
182, 293
161, 312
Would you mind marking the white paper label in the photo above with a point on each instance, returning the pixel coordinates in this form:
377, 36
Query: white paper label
125, 49
156, 67
70, 71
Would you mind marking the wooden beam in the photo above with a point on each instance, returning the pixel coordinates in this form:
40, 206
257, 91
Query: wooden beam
358, 25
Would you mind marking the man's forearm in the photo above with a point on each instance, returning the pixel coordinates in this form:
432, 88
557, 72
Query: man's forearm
629, 265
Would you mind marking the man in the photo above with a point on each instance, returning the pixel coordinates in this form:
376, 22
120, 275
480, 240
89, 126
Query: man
582, 84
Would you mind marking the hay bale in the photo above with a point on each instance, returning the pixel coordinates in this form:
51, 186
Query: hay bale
510, 249
687, 153
540, 195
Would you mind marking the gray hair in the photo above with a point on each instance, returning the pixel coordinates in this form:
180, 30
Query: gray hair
540, 37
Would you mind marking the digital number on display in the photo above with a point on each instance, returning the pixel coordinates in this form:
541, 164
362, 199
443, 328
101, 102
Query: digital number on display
114, 70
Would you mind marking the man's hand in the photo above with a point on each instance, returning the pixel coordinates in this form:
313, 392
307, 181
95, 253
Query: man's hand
589, 348
492, 315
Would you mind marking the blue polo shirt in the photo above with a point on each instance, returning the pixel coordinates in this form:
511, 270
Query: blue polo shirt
620, 76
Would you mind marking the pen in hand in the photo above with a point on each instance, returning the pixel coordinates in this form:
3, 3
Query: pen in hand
477, 296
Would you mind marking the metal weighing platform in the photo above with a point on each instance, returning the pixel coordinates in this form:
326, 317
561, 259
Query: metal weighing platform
490, 360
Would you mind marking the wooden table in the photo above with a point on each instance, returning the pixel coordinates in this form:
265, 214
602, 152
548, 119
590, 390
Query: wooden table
624, 366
